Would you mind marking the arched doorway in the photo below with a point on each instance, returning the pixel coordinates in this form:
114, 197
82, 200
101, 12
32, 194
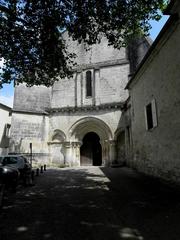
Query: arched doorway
77, 133
91, 151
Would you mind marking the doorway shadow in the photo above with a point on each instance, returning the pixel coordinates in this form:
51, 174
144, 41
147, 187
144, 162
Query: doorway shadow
91, 150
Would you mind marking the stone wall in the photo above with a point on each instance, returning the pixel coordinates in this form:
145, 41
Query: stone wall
96, 53
34, 99
156, 151
30, 128
108, 87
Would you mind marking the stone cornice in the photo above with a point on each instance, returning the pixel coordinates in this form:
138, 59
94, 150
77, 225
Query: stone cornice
66, 143
106, 106
99, 65
30, 112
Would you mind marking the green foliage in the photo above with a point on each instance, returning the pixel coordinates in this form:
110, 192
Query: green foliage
31, 33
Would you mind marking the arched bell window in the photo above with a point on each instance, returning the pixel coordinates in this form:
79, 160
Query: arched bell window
88, 84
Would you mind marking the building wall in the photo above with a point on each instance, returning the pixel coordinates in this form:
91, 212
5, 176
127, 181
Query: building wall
30, 128
96, 53
5, 118
123, 136
156, 151
108, 87
33, 99
109, 68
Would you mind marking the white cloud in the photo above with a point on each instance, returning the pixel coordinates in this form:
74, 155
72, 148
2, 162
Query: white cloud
7, 100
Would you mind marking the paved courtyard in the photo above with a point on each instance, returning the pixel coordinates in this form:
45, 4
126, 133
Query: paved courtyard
92, 204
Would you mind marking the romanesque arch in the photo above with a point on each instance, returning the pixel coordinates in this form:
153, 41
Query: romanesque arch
80, 129
57, 148
90, 124
58, 136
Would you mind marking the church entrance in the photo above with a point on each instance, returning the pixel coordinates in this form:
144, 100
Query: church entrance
91, 151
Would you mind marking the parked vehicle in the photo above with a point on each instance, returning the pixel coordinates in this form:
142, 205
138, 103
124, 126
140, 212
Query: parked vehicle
8, 179
9, 175
19, 162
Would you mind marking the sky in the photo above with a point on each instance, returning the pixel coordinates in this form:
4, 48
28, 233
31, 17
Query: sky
7, 92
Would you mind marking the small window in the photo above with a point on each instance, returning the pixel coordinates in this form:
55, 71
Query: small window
7, 130
150, 115
88, 84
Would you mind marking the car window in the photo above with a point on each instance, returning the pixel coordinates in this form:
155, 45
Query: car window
10, 160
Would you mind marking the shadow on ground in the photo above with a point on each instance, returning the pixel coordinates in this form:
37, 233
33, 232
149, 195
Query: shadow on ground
92, 203
145, 203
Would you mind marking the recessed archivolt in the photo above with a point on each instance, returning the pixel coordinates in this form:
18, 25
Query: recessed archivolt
90, 124
58, 135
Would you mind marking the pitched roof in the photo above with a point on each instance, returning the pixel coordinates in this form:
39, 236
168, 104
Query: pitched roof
5, 107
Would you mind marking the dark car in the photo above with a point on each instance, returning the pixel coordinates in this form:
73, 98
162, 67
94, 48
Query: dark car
17, 161
8, 179
9, 176
21, 163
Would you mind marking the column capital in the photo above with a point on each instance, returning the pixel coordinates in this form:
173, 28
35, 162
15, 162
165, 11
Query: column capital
72, 144
112, 142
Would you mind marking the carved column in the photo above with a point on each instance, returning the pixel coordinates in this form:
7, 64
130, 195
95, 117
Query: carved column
105, 153
68, 153
72, 156
76, 153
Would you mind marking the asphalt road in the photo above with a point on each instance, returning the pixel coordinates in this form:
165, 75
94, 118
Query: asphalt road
92, 204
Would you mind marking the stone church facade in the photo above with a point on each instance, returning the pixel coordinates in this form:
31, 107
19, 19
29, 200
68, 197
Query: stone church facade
78, 120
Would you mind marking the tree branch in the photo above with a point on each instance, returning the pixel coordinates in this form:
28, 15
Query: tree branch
8, 11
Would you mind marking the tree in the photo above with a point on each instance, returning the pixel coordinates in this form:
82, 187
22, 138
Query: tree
31, 33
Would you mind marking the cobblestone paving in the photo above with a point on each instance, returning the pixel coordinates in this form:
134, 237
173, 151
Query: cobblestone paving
92, 203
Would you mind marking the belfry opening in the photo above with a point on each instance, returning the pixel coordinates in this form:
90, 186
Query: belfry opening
91, 150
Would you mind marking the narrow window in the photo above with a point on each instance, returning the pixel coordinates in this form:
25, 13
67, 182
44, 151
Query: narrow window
88, 84
150, 114
7, 130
